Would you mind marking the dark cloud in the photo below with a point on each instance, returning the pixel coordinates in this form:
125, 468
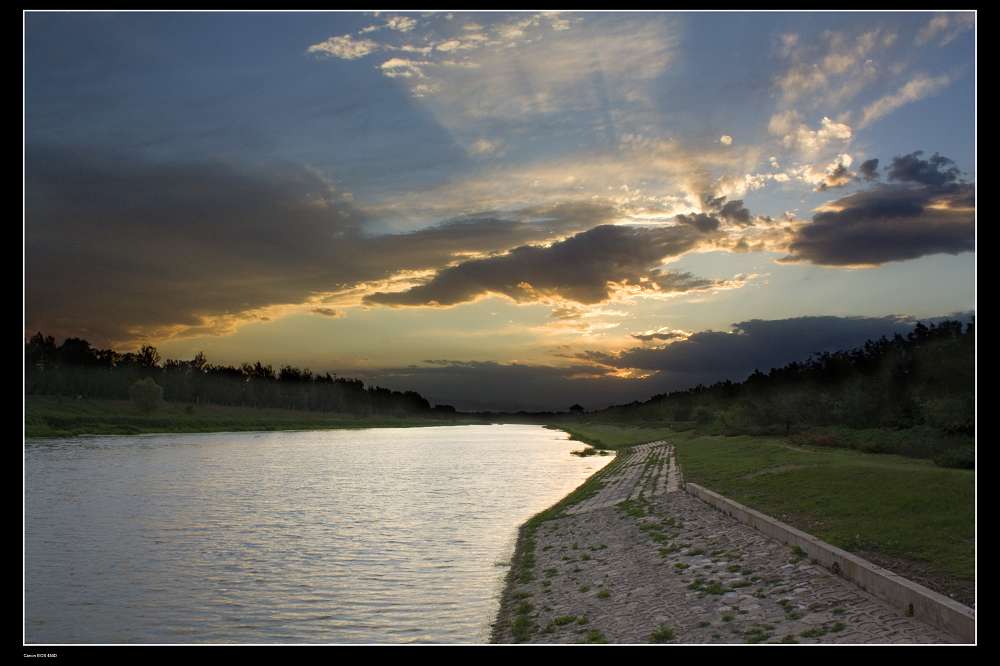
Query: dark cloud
930, 214
935, 171
735, 212
327, 312
700, 221
888, 224
510, 387
869, 169
118, 247
580, 268
758, 344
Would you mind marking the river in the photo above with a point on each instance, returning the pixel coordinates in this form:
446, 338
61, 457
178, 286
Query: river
386, 535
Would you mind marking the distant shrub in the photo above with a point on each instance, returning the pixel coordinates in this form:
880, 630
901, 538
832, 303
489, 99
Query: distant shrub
146, 394
951, 414
963, 457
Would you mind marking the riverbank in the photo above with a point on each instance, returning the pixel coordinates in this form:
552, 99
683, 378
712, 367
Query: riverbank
631, 558
907, 515
54, 416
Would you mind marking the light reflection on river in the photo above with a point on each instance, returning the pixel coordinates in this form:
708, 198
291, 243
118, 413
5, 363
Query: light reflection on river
364, 536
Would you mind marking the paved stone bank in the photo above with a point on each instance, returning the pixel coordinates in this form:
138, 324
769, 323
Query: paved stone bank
641, 561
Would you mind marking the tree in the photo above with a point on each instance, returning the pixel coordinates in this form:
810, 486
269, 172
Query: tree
576, 409
146, 394
148, 357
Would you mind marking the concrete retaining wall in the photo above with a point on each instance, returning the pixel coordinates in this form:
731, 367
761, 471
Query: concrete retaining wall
912, 599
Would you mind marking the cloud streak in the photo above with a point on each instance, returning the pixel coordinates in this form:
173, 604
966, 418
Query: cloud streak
920, 87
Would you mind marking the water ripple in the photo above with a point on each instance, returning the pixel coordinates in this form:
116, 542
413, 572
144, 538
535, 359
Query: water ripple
366, 536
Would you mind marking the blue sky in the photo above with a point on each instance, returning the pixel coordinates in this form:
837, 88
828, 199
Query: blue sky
363, 192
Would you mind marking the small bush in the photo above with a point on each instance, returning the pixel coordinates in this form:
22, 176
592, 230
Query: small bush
662, 634
146, 394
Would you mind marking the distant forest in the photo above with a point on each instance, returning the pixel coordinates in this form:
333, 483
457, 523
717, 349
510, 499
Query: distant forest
922, 384
76, 368
917, 391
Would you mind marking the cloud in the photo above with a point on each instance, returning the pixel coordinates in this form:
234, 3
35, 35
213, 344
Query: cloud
509, 386
869, 169
796, 135
829, 71
403, 67
936, 171
585, 268
597, 379
735, 212
328, 312
345, 47
401, 23
218, 242
726, 140
700, 221
824, 177
837, 174
920, 87
661, 335
483, 147
946, 27
525, 65
931, 213
709, 356
838, 177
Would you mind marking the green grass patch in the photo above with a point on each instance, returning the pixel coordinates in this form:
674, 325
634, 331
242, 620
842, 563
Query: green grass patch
613, 437
897, 507
662, 634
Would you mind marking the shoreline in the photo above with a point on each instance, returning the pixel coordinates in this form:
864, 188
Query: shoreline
625, 560
51, 417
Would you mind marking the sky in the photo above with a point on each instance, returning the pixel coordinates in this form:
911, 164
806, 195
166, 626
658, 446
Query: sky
501, 210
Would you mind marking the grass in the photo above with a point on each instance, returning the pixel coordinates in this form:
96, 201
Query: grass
756, 634
55, 416
908, 511
612, 436
871, 503
662, 634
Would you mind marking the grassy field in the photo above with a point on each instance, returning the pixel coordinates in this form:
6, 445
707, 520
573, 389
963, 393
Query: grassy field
613, 436
908, 515
49, 416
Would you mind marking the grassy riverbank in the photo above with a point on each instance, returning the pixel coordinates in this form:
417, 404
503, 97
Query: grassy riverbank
50, 416
515, 611
908, 515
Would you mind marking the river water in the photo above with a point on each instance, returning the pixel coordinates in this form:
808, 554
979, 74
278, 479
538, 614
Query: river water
391, 535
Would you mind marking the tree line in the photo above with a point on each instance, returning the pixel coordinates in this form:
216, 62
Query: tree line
921, 382
75, 368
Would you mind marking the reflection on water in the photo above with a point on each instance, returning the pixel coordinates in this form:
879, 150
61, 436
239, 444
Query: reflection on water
364, 536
